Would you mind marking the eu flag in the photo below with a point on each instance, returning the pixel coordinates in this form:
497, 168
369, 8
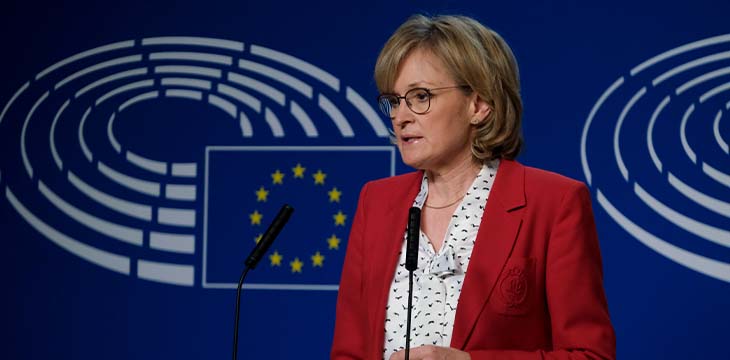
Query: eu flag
246, 186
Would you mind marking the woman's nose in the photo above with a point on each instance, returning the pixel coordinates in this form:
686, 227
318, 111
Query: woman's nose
401, 115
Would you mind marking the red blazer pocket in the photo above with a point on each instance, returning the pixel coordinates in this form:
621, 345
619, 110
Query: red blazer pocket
515, 287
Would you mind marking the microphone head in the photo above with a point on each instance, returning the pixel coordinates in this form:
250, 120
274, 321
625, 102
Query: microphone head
268, 238
413, 237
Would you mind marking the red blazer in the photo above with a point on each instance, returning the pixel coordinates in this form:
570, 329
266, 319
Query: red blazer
534, 286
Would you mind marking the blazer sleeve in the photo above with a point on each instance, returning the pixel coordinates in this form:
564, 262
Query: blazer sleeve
350, 321
580, 323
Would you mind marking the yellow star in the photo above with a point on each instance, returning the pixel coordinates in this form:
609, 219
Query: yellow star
340, 218
277, 177
296, 265
298, 171
255, 217
334, 195
317, 260
258, 238
319, 177
261, 194
334, 242
275, 258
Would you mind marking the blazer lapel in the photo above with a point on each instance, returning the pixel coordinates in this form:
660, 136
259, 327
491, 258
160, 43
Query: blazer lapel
497, 234
389, 231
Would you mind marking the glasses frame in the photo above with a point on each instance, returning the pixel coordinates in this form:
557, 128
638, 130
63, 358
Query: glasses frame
404, 97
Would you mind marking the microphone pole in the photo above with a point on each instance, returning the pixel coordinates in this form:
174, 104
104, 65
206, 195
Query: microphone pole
255, 256
414, 234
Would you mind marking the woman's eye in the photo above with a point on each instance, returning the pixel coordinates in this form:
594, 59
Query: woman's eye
421, 96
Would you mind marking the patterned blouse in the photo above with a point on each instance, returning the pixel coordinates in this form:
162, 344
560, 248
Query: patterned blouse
439, 277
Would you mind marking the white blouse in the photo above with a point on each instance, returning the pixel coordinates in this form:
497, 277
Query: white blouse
439, 276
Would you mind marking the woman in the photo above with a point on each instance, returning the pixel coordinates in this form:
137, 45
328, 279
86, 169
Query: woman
509, 264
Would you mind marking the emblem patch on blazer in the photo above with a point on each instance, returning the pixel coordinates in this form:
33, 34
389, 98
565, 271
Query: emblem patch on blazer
513, 287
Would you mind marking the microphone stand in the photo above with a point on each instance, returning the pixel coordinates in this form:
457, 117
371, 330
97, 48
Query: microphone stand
253, 259
414, 234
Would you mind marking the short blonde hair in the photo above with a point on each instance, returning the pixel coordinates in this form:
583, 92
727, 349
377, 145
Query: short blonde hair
475, 56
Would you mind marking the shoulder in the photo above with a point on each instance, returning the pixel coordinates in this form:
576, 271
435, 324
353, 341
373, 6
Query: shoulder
540, 185
394, 183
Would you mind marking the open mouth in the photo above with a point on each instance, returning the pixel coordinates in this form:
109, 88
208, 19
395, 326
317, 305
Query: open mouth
410, 139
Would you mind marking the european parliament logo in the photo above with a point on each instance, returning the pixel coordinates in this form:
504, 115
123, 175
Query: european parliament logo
163, 158
665, 178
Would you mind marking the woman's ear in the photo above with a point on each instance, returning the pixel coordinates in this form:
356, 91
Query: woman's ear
481, 110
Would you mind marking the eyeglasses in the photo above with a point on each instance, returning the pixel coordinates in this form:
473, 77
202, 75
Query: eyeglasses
417, 99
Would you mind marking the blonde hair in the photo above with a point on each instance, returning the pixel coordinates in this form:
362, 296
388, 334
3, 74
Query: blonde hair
474, 55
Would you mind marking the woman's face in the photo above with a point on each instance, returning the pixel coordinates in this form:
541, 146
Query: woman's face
441, 138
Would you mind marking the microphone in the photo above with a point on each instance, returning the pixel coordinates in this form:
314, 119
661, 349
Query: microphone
268, 238
253, 259
414, 232
412, 240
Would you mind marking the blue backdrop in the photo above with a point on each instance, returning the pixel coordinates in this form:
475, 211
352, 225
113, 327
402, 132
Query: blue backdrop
146, 146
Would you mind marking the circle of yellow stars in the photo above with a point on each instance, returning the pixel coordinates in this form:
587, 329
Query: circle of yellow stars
339, 219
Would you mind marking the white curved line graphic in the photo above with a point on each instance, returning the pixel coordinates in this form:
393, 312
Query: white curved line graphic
142, 186
706, 201
690, 65
180, 192
710, 267
166, 273
188, 70
274, 123
184, 244
192, 56
185, 94
52, 136
245, 124
110, 133
125, 207
23, 153
110, 78
367, 111
683, 134
334, 113
125, 88
192, 40
189, 82
298, 64
309, 129
139, 98
154, 166
242, 97
707, 232
223, 104
112, 230
718, 137
678, 50
87, 153
650, 133
702, 78
185, 169
12, 100
177, 217
99, 66
93, 255
584, 137
87, 53
714, 91
258, 86
617, 131
277, 75
716, 175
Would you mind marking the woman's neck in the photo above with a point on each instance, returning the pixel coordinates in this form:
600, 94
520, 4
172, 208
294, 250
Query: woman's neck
449, 184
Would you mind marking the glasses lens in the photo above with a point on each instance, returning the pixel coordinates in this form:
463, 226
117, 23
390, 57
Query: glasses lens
387, 103
418, 100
